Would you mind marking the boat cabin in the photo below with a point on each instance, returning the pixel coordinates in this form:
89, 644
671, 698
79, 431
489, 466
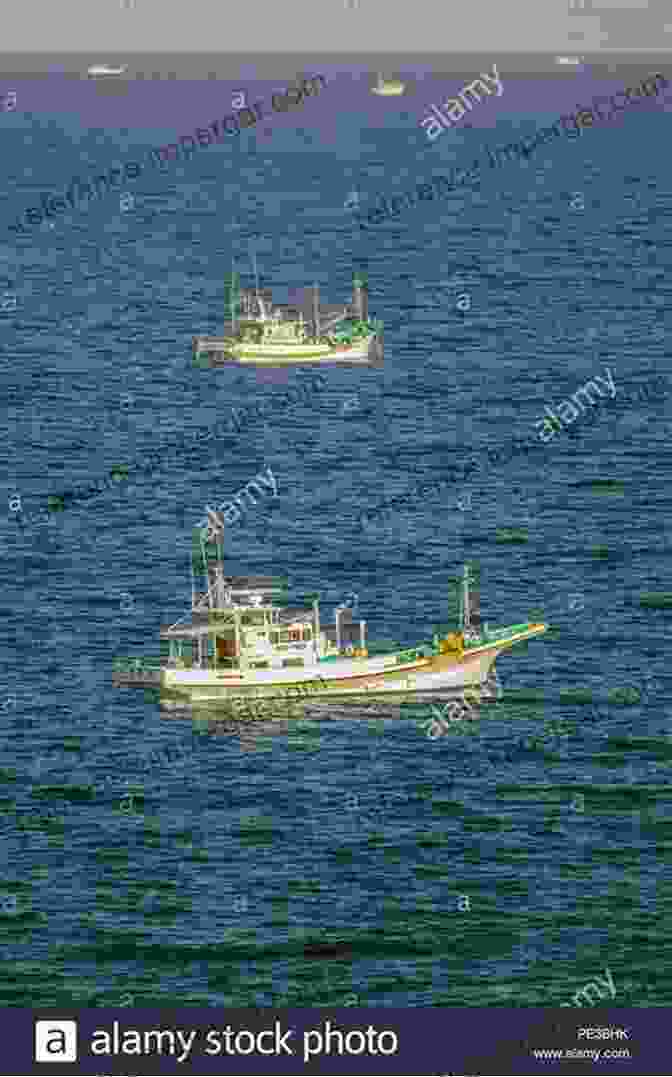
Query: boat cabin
272, 329
243, 623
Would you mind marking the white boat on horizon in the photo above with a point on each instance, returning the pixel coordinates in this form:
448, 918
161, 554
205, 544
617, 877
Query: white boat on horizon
101, 70
388, 87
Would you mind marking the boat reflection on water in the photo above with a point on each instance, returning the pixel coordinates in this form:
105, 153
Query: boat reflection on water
217, 720
299, 723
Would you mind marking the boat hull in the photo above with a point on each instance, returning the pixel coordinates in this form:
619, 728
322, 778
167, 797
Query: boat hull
232, 350
344, 679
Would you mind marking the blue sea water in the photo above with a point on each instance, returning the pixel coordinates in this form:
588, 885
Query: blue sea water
342, 857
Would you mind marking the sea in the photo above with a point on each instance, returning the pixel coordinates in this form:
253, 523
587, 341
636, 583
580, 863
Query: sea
338, 857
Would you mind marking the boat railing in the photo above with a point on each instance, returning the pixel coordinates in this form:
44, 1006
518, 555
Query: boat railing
152, 664
414, 653
491, 635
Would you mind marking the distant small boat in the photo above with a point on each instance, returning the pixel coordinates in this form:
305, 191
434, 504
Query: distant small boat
98, 70
388, 87
573, 60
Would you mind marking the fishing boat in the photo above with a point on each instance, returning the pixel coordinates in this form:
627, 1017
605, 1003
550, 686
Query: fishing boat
104, 71
263, 334
245, 643
388, 87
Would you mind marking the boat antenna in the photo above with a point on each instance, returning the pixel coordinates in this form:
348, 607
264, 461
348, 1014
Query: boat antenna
466, 608
216, 531
234, 295
256, 272
204, 564
316, 310
256, 281
193, 580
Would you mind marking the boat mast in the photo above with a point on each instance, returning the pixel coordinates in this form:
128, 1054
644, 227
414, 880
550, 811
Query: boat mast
316, 311
234, 296
204, 571
466, 608
260, 305
215, 580
193, 581
216, 527
316, 627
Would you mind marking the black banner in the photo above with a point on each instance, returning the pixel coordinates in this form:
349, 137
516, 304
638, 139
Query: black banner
433, 1041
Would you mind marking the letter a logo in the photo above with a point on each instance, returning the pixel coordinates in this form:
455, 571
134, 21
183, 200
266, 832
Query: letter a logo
55, 1041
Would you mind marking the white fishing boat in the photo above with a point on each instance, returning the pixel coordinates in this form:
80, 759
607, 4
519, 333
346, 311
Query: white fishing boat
388, 87
104, 71
244, 642
262, 334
